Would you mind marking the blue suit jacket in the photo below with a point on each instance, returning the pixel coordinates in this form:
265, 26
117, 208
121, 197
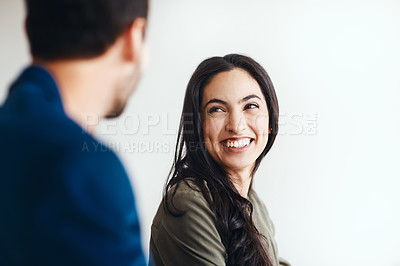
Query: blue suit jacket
65, 198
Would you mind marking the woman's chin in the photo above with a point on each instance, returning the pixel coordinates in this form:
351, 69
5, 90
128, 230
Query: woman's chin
237, 165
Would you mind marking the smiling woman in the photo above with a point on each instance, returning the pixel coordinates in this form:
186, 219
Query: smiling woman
210, 215
235, 124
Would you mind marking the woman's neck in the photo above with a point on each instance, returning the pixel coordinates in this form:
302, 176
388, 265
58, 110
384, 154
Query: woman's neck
241, 179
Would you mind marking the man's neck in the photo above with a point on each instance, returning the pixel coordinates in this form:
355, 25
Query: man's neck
85, 87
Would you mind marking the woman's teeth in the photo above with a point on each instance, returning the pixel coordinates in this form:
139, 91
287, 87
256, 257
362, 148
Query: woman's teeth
237, 143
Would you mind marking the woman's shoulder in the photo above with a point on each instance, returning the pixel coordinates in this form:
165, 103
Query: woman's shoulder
190, 237
260, 213
189, 216
186, 185
255, 199
186, 195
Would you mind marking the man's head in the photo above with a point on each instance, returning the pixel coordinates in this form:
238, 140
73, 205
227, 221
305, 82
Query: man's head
85, 30
78, 29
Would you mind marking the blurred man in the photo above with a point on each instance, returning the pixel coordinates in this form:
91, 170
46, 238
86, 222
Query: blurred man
65, 199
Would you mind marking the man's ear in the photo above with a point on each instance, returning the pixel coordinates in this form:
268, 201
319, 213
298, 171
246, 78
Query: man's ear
134, 37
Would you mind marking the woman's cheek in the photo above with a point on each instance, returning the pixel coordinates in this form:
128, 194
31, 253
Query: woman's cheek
260, 124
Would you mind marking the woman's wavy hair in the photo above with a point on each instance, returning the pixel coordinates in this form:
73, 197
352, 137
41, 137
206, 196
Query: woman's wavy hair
233, 213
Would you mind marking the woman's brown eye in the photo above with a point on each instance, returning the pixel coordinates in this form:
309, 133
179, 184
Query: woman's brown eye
215, 109
251, 106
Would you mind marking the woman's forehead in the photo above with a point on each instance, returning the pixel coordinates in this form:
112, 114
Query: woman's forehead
233, 84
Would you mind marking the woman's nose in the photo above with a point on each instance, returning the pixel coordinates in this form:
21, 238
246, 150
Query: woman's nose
236, 122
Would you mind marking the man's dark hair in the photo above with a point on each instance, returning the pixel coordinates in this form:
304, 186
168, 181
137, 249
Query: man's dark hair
72, 29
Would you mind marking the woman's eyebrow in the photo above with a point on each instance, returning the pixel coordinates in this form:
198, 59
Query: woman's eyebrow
215, 101
251, 96
245, 99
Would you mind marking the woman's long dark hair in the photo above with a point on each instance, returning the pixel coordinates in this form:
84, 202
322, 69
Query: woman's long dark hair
233, 213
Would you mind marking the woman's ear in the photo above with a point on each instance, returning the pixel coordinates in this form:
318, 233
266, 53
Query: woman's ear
134, 37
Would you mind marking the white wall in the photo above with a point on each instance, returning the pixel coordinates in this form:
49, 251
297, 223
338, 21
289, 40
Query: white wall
331, 181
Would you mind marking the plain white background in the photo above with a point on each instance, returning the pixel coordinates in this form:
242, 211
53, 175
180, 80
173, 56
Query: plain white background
331, 181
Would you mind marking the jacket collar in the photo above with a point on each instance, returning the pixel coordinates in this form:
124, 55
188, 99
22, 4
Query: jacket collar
37, 82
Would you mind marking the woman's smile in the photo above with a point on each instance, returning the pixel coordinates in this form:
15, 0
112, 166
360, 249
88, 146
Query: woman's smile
237, 144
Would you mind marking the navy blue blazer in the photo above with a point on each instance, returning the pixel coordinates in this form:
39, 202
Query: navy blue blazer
65, 199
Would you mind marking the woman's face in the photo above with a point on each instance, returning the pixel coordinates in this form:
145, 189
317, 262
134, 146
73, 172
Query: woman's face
235, 120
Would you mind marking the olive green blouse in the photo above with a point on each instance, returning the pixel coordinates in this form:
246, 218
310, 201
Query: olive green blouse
192, 239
